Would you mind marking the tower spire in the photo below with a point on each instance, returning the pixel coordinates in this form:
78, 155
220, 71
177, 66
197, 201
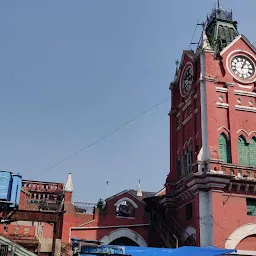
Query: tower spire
139, 192
220, 29
69, 184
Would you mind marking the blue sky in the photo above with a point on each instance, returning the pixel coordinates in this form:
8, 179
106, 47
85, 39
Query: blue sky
73, 71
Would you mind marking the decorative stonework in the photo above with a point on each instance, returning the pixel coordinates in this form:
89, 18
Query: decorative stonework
245, 108
245, 93
124, 232
187, 119
222, 105
128, 200
239, 234
221, 89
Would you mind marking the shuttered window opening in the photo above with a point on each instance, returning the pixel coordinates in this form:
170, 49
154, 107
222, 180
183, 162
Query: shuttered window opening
187, 163
224, 149
251, 206
247, 152
252, 152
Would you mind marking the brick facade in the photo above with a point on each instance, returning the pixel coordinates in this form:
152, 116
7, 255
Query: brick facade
103, 222
211, 179
80, 220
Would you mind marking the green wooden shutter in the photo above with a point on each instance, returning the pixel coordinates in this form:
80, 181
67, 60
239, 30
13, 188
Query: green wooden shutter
224, 150
251, 206
243, 151
252, 154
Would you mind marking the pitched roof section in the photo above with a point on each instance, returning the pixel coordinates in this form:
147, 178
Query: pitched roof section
133, 193
244, 38
192, 56
161, 192
145, 194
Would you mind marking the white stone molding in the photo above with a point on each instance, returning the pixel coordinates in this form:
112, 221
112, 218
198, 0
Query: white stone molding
239, 234
124, 232
128, 200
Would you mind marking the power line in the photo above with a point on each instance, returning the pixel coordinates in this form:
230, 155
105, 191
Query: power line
102, 138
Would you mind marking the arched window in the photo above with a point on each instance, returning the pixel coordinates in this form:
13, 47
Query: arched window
187, 162
243, 151
224, 148
125, 209
252, 150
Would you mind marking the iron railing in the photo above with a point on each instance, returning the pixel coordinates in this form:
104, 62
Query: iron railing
218, 13
170, 230
88, 208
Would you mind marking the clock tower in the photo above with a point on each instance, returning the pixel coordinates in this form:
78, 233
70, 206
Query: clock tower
211, 186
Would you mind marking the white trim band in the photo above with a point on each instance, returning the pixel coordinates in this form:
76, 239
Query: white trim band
245, 108
244, 93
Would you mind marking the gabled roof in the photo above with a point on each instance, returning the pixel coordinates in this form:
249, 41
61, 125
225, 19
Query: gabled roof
133, 193
189, 53
145, 194
244, 38
192, 56
161, 191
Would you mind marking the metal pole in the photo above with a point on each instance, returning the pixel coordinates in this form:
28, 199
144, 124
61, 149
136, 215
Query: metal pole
177, 241
54, 238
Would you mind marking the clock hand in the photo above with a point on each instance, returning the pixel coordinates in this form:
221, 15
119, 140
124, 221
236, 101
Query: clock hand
243, 64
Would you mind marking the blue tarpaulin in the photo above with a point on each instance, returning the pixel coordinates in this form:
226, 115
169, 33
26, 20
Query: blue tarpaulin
85, 247
186, 250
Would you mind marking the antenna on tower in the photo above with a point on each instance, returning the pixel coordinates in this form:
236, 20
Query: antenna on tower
197, 43
218, 4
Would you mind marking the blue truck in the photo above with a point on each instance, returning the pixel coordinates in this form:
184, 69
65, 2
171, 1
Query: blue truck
10, 188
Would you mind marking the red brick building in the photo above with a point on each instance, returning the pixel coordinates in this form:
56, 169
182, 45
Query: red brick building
211, 187
33, 235
120, 219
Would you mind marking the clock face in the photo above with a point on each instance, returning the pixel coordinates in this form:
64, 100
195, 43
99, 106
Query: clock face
243, 67
186, 80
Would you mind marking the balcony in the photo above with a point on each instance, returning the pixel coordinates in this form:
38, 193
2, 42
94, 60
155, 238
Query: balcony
234, 170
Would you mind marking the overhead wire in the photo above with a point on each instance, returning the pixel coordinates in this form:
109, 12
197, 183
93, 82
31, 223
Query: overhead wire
102, 138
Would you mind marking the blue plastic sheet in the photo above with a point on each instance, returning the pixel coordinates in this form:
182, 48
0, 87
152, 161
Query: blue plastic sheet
186, 250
